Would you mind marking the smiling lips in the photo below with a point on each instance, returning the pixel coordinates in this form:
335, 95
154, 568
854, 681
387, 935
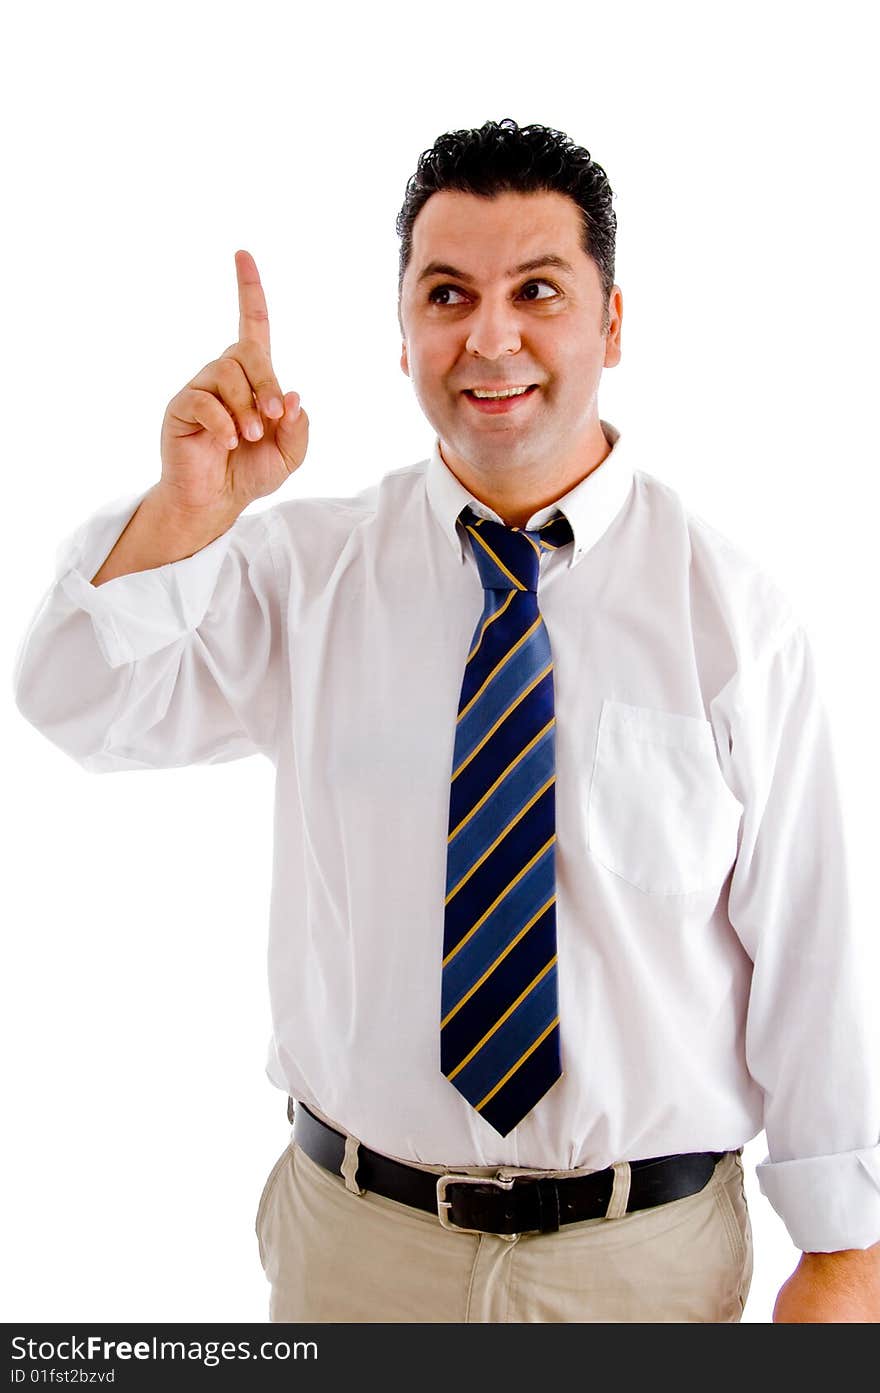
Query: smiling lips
495, 400
508, 390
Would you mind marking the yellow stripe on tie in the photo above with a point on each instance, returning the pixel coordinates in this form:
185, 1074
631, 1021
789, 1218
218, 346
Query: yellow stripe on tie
548, 546
500, 838
498, 666
522, 1059
497, 559
509, 1012
502, 609
501, 956
503, 717
557, 518
529, 539
496, 902
501, 777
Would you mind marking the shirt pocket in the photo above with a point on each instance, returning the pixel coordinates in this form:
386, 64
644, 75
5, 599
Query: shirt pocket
660, 814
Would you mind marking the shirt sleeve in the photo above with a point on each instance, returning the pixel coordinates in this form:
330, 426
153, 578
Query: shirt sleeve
808, 1042
182, 664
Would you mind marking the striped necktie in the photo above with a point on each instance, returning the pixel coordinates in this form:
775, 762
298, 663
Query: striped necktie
499, 1032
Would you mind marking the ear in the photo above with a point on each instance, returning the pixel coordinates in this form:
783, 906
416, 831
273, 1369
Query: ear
612, 342
404, 360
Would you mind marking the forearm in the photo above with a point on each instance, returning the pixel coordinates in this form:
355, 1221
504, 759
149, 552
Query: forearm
832, 1288
157, 534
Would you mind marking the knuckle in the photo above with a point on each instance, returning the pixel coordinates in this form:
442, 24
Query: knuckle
192, 400
227, 370
257, 362
206, 407
234, 385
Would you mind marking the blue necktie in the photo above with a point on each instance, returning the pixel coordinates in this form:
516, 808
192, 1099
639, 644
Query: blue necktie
499, 1033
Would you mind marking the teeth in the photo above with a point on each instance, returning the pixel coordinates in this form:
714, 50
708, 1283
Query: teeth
511, 392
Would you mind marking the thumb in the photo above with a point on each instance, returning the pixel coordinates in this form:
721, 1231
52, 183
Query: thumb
292, 431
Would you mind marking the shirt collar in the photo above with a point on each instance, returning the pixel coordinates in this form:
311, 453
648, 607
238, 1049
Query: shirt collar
590, 506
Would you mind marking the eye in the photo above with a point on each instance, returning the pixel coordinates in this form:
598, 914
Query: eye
441, 290
529, 285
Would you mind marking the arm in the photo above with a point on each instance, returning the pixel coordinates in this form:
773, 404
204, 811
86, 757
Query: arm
832, 1287
179, 663
808, 1040
157, 534
160, 641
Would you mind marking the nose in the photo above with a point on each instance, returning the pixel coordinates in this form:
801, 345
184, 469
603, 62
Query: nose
494, 330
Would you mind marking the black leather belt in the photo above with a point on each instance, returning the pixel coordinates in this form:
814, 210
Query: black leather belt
510, 1205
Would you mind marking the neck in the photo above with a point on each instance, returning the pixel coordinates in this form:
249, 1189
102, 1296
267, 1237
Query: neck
517, 495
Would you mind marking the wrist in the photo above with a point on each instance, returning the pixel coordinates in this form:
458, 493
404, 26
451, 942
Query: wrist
186, 523
160, 532
867, 1259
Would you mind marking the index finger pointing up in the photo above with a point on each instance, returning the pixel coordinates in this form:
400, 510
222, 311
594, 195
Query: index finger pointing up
253, 316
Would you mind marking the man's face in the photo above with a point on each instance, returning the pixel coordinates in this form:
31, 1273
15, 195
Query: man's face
470, 318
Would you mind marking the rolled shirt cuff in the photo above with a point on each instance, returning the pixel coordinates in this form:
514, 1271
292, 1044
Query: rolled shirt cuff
827, 1203
136, 615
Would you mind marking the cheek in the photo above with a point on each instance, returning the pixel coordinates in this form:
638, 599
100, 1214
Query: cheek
573, 370
431, 362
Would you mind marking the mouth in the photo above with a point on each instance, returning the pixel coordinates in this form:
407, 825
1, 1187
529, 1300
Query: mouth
508, 398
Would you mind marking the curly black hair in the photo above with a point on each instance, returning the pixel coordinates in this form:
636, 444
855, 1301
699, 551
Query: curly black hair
502, 157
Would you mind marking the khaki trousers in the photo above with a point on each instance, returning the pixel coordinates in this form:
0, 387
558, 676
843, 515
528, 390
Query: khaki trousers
331, 1254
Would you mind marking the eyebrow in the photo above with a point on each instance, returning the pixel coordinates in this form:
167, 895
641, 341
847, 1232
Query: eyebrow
442, 268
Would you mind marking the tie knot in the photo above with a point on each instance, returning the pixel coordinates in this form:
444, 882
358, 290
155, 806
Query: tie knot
509, 558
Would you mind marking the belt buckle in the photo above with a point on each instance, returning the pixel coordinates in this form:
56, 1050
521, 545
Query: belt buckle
443, 1204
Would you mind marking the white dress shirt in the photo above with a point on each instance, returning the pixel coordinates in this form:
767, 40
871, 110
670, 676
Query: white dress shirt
706, 959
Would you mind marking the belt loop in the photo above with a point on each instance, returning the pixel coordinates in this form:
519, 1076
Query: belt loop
350, 1165
619, 1191
548, 1206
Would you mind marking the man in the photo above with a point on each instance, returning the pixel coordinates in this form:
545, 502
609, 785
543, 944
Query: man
559, 915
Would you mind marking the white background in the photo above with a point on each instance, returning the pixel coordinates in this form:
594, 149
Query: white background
144, 145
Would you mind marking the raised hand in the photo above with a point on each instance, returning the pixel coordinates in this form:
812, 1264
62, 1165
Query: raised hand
231, 435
